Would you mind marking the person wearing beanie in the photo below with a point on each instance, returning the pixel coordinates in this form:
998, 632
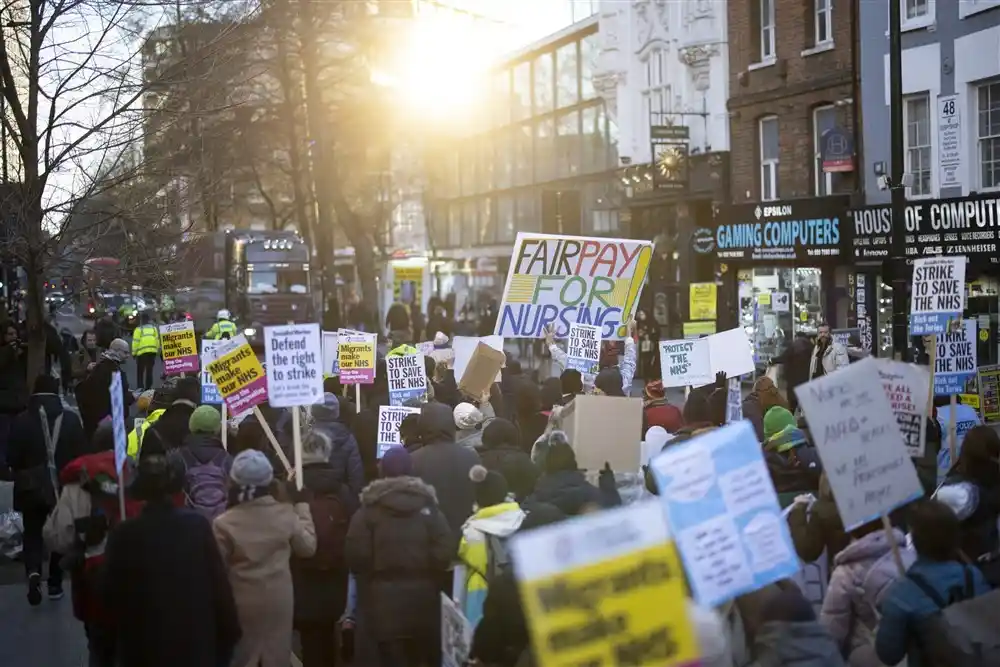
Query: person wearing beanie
482, 548
777, 419
789, 633
571, 385
399, 548
409, 432
345, 457
469, 424
257, 536
564, 485
206, 463
617, 384
173, 425
92, 397
657, 411
501, 452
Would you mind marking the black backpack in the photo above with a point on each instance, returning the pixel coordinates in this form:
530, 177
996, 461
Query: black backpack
331, 519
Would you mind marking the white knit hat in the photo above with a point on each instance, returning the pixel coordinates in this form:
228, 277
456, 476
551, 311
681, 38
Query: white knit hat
467, 416
251, 468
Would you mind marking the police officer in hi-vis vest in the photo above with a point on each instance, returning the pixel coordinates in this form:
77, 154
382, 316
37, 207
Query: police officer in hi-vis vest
223, 328
145, 348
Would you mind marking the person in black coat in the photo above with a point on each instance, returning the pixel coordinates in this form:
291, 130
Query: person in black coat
165, 587
528, 412
797, 358
173, 426
564, 484
92, 395
365, 423
501, 452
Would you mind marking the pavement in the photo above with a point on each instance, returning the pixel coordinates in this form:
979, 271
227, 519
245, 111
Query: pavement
43, 636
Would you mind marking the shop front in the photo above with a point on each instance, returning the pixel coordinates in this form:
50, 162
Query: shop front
783, 268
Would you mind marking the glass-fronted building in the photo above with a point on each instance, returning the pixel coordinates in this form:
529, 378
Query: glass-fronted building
543, 160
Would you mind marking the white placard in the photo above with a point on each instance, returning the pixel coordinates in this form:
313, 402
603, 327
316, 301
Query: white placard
859, 442
781, 302
734, 401
949, 142
294, 355
731, 353
118, 420
956, 360
407, 376
331, 364
906, 387
456, 634
464, 346
686, 362
583, 348
389, 419
938, 294
209, 390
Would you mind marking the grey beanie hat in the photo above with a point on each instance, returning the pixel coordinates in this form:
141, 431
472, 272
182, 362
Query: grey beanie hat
251, 468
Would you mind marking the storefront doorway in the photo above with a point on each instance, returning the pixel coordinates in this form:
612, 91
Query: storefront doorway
777, 303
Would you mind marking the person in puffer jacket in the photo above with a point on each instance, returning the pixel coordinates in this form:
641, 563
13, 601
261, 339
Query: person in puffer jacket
345, 458
863, 572
564, 484
789, 634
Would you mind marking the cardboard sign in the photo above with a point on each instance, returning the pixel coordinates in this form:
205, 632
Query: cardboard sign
456, 634
389, 419
966, 419
462, 349
331, 365
482, 371
180, 348
294, 356
686, 362
583, 348
956, 359
858, 439
989, 393
118, 420
604, 429
407, 378
356, 353
209, 390
558, 280
724, 512
906, 387
605, 589
239, 375
702, 298
938, 294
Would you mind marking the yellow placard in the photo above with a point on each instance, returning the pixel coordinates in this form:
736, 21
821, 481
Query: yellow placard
239, 376
628, 610
764, 299
412, 279
356, 353
703, 301
698, 329
180, 343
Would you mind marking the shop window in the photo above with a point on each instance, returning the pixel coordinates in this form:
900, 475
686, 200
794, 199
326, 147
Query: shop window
917, 121
767, 131
772, 330
824, 22
567, 75
989, 135
544, 83
824, 118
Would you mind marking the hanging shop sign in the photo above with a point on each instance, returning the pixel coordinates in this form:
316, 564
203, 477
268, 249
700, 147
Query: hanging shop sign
837, 150
967, 225
804, 230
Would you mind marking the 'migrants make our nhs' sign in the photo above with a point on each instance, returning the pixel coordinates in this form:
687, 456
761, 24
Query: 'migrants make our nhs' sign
797, 230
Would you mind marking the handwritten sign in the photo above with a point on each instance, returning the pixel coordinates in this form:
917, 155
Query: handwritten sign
583, 348
356, 354
389, 419
956, 359
239, 375
331, 365
965, 418
906, 387
702, 298
686, 362
938, 294
559, 280
294, 373
180, 348
589, 587
209, 390
858, 438
724, 513
407, 378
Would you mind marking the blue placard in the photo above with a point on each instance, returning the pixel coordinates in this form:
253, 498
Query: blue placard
724, 513
955, 360
118, 421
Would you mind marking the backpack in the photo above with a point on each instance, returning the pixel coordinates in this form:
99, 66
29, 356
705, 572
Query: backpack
205, 484
497, 557
962, 633
41, 482
331, 519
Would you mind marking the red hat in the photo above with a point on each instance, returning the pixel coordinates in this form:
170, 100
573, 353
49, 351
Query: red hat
654, 389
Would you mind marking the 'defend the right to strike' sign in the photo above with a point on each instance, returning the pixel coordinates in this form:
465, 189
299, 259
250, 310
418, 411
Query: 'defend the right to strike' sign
561, 280
938, 294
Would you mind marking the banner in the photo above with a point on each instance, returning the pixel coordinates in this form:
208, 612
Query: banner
179, 347
906, 387
956, 359
583, 348
356, 355
331, 365
938, 294
559, 280
389, 419
686, 362
293, 353
702, 298
239, 375
605, 589
209, 390
407, 377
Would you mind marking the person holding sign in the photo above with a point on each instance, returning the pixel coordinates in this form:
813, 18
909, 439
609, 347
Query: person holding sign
626, 368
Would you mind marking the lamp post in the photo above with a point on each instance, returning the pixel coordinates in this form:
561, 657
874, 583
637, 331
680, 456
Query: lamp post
900, 339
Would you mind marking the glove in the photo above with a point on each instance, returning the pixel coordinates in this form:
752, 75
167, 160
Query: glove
720, 379
606, 479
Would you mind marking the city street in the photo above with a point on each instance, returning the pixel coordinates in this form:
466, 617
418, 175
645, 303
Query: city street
45, 635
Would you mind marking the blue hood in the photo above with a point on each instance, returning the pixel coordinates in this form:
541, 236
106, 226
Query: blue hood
328, 410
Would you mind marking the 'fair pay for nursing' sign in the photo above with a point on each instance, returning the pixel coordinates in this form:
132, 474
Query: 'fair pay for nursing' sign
560, 280
407, 378
583, 348
938, 294
294, 365
239, 375
180, 348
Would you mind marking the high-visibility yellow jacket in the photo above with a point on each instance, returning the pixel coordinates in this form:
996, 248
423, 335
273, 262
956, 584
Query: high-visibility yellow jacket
135, 437
145, 340
402, 351
220, 328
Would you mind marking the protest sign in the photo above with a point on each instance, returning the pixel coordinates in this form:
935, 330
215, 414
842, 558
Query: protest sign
734, 400
583, 348
464, 346
724, 514
239, 375
118, 420
179, 347
686, 362
731, 353
389, 418
989, 393
965, 419
407, 377
456, 634
956, 359
590, 587
209, 390
356, 353
906, 387
843, 336
294, 373
426, 348
938, 294
858, 439
331, 367
604, 429
558, 280
702, 300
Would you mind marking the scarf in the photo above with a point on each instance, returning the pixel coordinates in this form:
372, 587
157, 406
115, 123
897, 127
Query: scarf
112, 355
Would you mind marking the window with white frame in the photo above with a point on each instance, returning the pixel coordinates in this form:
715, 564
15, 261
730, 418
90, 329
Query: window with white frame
824, 22
656, 93
824, 118
988, 134
767, 46
767, 134
917, 121
916, 9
